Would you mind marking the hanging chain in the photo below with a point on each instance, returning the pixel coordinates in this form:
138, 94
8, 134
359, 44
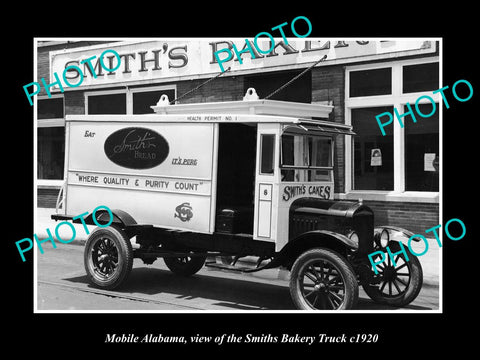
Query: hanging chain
296, 77
198, 87
266, 97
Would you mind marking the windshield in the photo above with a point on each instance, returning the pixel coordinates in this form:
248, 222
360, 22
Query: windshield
306, 158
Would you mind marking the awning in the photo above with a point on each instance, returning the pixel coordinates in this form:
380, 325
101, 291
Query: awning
307, 126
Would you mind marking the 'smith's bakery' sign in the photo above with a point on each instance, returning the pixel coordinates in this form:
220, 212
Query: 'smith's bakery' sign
174, 59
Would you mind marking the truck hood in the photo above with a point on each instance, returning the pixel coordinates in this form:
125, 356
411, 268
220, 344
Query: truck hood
342, 217
315, 206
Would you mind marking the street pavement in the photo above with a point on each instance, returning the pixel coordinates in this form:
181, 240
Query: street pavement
62, 284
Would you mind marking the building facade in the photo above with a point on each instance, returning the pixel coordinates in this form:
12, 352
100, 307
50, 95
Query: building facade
397, 174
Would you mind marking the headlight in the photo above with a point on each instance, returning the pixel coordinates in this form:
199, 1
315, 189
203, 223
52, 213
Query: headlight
382, 238
353, 236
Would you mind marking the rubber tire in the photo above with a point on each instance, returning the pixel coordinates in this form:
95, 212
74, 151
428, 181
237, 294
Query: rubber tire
413, 289
345, 269
189, 268
125, 257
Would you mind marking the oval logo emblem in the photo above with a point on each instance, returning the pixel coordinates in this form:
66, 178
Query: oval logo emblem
136, 148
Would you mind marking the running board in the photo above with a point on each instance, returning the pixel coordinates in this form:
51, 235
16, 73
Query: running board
243, 269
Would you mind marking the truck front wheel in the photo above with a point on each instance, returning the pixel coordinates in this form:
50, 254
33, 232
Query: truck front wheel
399, 282
185, 266
108, 257
322, 279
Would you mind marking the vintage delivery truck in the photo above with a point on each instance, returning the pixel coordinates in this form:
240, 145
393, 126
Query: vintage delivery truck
227, 180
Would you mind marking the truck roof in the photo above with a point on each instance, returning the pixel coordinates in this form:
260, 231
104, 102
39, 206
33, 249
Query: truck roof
252, 107
249, 110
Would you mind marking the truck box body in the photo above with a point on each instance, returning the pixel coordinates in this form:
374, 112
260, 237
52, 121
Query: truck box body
157, 172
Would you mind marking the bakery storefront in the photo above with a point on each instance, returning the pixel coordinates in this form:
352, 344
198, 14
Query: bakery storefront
397, 174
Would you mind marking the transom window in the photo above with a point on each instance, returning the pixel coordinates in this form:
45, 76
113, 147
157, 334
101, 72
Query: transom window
127, 101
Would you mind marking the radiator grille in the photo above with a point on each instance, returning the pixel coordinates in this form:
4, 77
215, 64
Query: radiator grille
303, 224
300, 224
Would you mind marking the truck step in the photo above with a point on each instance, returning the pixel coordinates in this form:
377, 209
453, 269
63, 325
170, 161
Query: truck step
176, 231
232, 267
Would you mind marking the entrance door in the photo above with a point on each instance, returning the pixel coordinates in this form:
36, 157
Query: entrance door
266, 182
236, 176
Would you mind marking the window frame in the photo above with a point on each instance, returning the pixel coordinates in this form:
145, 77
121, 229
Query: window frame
87, 94
260, 168
384, 158
366, 69
409, 125
418, 63
309, 167
313, 168
398, 100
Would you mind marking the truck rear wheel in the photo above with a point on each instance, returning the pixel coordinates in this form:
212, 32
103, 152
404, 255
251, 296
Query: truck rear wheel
322, 279
108, 257
185, 266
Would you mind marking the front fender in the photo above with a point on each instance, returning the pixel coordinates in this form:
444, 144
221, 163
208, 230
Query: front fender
395, 233
313, 239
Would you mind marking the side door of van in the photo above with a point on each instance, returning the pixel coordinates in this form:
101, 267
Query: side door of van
267, 177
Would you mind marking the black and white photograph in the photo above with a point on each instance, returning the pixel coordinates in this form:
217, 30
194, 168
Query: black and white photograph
268, 186
278, 188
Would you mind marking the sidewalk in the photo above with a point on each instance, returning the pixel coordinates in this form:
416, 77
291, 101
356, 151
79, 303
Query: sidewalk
430, 261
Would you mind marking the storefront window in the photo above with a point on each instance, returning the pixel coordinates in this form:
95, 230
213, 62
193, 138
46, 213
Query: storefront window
420, 77
143, 100
372, 152
421, 151
51, 150
50, 108
371, 82
379, 88
267, 83
50, 138
107, 104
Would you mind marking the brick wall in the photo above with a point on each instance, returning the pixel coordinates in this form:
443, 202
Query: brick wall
43, 70
416, 217
221, 89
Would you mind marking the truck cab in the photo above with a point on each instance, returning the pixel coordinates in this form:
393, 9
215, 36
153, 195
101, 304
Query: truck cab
228, 180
